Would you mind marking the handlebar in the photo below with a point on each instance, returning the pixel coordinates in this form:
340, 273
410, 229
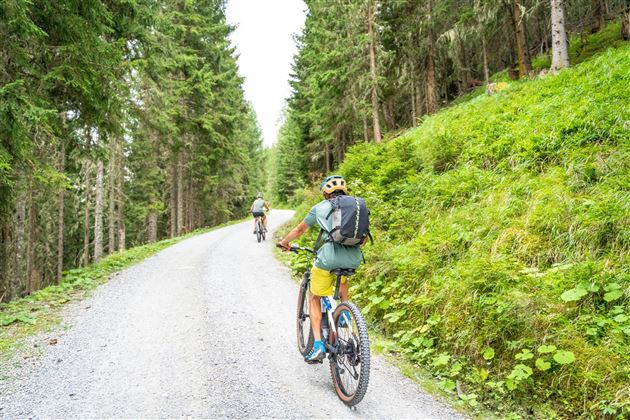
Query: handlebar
296, 249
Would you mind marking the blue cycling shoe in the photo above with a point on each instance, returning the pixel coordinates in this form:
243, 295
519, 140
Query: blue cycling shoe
344, 320
317, 354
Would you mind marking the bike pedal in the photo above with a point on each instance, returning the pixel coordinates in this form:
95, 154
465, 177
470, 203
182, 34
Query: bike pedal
314, 362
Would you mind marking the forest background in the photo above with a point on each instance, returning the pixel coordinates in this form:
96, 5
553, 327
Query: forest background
124, 122
371, 69
501, 221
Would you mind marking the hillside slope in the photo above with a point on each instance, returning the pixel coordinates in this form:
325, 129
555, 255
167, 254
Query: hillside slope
502, 254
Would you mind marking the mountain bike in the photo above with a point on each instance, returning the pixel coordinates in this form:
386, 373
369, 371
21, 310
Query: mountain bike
261, 234
344, 333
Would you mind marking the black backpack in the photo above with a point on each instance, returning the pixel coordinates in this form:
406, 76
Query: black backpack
350, 222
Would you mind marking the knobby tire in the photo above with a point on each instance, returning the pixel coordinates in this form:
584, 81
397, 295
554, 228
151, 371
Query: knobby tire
258, 231
305, 339
363, 344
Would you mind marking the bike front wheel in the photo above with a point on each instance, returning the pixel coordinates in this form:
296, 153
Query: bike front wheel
304, 331
350, 365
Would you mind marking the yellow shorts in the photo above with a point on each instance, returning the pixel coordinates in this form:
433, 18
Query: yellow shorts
323, 282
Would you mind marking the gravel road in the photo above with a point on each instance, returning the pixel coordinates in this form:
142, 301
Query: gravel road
205, 328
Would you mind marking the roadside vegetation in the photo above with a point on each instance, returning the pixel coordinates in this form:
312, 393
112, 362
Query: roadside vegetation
502, 253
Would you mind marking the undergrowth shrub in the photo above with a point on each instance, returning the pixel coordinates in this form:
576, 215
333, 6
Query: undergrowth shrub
502, 229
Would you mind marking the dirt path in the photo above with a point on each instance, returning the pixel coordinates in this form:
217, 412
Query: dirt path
203, 329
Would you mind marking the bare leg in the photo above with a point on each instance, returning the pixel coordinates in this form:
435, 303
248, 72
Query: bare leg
315, 315
265, 222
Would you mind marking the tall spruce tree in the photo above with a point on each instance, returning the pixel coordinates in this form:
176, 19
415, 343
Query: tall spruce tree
131, 114
371, 66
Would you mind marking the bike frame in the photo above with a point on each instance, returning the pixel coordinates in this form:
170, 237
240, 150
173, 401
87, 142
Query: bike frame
327, 305
327, 308
348, 354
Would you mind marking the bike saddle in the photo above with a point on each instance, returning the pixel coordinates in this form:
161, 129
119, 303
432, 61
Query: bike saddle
343, 271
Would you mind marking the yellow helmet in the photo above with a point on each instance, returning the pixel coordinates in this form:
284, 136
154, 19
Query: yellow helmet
333, 183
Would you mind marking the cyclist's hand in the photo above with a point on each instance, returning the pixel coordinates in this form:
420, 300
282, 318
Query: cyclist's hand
284, 245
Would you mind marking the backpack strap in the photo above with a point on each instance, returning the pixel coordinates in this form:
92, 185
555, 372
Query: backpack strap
319, 242
333, 206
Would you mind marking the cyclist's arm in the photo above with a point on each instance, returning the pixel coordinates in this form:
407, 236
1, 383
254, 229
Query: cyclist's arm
267, 205
293, 235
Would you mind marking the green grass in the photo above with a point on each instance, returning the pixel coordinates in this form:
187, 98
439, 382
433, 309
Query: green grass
40, 311
502, 254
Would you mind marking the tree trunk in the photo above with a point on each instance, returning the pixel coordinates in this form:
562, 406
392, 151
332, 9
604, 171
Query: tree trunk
432, 101
373, 75
120, 202
486, 71
560, 47
5, 261
153, 219
419, 101
180, 192
86, 218
388, 113
625, 22
111, 214
464, 70
412, 99
522, 52
21, 270
431, 91
60, 215
597, 11
190, 224
366, 132
173, 200
31, 266
98, 213
122, 245
327, 157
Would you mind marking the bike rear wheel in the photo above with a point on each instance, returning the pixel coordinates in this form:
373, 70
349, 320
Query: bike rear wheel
305, 337
350, 366
258, 230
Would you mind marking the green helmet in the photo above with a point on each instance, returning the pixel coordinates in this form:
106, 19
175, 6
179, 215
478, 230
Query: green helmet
259, 195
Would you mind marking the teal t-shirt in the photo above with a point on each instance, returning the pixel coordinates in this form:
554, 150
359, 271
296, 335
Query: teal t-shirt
258, 206
331, 255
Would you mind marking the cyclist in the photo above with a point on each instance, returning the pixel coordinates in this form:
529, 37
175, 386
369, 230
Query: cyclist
329, 256
258, 210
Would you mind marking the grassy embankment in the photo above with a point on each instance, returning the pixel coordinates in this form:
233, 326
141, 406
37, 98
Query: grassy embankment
39, 311
502, 254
